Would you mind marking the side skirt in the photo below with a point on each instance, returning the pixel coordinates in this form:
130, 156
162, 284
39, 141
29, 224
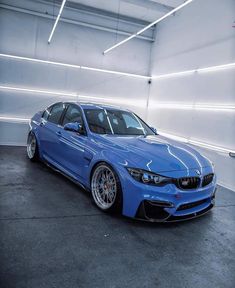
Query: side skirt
66, 175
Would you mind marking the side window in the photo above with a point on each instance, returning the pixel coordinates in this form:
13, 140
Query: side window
56, 112
46, 113
73, 114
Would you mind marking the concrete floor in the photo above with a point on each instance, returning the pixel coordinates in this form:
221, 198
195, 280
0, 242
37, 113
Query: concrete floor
51, 235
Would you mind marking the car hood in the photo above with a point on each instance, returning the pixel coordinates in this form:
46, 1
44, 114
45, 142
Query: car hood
154, 153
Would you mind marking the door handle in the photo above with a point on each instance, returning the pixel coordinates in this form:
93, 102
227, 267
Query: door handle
42, 124
58, 133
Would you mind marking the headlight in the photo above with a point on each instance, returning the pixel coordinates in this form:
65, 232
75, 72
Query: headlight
147, 177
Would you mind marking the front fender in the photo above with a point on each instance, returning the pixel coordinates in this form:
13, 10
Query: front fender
116, 161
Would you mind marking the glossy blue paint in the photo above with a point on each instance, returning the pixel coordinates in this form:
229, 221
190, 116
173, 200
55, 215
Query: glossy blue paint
76, 154
74, 127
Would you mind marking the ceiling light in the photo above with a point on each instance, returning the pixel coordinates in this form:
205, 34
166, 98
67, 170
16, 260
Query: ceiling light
56, 21
148, 26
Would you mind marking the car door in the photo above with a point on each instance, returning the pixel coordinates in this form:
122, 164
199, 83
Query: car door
72, 148
50, 130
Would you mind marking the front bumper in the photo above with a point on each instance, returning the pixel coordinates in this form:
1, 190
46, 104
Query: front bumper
150, 211
167, 203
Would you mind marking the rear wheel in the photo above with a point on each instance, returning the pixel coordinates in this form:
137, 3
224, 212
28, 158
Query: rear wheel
32, 147
106, 188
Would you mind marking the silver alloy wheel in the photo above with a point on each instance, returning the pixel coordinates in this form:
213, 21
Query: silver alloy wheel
104, 187
31, 146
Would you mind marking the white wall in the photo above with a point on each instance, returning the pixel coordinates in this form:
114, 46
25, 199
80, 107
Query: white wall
26, 35
200, 35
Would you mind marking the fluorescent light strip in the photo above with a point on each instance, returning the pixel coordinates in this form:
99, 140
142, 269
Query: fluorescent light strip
137, 103
74, 66
119, 43
206, 107
211, 147
182, 73
38, 91
114, 72
197, 143
200, 70
39, 61
119, 101
148, 26
164, 16
215, 68
10, 119
14, 119
56, 21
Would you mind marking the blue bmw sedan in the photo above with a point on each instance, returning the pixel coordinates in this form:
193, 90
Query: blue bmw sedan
125, 164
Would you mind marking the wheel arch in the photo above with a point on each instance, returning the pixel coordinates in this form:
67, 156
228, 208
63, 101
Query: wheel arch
34, 131
95, 164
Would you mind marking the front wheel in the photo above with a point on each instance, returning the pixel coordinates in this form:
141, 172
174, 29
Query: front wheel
32, 147
106, 188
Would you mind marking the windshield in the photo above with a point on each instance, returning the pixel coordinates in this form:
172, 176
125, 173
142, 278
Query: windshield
118, 122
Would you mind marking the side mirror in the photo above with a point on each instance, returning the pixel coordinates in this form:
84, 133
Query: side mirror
154, 130
75, 127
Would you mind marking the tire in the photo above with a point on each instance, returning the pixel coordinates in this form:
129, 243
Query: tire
106, 188
32, 147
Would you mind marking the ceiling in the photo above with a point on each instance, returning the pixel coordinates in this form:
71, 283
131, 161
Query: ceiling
147, 10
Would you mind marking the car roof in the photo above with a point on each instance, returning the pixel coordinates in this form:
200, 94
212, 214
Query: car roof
91, 105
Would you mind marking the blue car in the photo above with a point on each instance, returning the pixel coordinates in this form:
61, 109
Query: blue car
125, 164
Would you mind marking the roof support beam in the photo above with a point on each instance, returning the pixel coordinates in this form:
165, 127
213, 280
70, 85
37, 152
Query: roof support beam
75, 22
56, 21
92, 11
150, 5
148, 26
